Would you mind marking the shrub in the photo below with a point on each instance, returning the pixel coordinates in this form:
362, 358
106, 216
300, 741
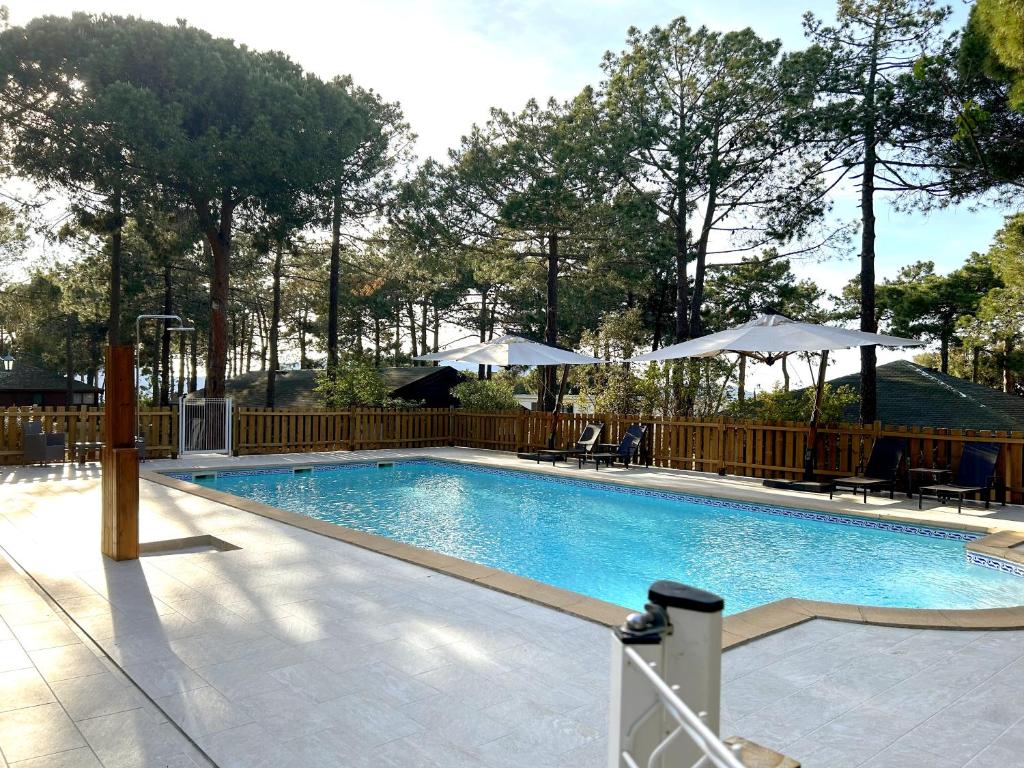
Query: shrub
497, 394
356, 383
779, 405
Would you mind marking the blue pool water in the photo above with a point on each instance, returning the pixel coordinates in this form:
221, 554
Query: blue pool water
609, 543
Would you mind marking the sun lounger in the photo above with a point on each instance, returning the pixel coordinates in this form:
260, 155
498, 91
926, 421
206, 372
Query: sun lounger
976, 474
880, 473
584, 445
626, 451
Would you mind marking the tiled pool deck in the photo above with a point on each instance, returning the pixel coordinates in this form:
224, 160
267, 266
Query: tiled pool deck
302, 650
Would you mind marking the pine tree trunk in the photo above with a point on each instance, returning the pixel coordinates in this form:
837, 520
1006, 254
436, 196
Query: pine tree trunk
220, 245
333, 289
944, 353
868, 357
481, 370
411, 312
975, 359
1009, 380
275, 322
741, 380
69, 362
165, 339
550, 372
423, 328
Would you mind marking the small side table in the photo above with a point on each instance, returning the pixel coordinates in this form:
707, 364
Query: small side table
918, 476
83, 448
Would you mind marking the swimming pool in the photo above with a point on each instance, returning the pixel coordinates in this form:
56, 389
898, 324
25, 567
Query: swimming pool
609, 542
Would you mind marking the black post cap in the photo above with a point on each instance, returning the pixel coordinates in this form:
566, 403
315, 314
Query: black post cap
672, 594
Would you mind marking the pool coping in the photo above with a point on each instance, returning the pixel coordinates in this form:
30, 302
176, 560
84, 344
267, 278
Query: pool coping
997, 549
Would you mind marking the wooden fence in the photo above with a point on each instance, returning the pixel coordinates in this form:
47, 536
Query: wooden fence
737, 447
85, 424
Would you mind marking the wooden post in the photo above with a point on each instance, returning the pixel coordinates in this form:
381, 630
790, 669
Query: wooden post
812, 432
120, 485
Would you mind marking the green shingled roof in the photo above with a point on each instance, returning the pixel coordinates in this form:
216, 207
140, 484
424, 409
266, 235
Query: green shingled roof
294, 389
912, 395
24, 377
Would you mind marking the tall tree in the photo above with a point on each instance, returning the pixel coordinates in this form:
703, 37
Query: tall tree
360, 172
874, 115
530, 180
927, 305
702, 121
171, 124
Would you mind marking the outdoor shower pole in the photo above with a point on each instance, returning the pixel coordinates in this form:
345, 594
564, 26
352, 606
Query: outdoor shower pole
138, 363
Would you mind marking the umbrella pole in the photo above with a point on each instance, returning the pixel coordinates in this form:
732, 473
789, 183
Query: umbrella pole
558, 406
812, 430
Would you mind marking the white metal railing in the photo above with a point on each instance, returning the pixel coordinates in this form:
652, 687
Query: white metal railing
204, 425
716, 752
667, 683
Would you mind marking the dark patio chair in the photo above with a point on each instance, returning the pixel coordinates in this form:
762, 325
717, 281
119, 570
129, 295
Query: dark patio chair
976, 474
40, 447
626, 451
583, 446
880, 473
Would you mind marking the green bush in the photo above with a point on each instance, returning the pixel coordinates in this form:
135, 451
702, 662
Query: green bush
356, 383
497, 394
779, 405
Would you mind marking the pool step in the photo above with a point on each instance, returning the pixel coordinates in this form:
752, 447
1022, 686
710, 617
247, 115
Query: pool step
753, 755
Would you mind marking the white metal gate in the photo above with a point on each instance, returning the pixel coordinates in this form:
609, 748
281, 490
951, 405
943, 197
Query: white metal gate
204, 425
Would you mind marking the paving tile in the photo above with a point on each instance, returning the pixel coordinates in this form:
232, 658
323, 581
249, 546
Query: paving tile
132, 740
371, 721
66, 661
948, 734
37, 731
96, 695
13, 656
27, 612
449, 717
83, 757
285, 713
203, 711
1006, 750
44, 634
391, 685
314, 680
247, 746
164, 677
23, 688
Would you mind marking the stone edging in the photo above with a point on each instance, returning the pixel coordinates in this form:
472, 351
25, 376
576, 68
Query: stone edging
737, 629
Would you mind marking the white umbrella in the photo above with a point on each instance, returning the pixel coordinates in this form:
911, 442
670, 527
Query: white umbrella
771, 337
511, 350
515, 350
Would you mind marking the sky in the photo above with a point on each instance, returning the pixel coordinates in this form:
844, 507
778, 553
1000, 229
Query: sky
448, 61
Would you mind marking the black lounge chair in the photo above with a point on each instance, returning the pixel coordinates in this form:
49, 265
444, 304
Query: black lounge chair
583, 446
626, 451
976, 474
41, 447
880, 473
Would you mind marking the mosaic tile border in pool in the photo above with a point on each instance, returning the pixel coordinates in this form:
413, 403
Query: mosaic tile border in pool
995, 563
711, 501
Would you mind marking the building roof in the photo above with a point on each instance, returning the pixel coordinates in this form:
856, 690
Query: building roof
294, 388
24, 377
915, 396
